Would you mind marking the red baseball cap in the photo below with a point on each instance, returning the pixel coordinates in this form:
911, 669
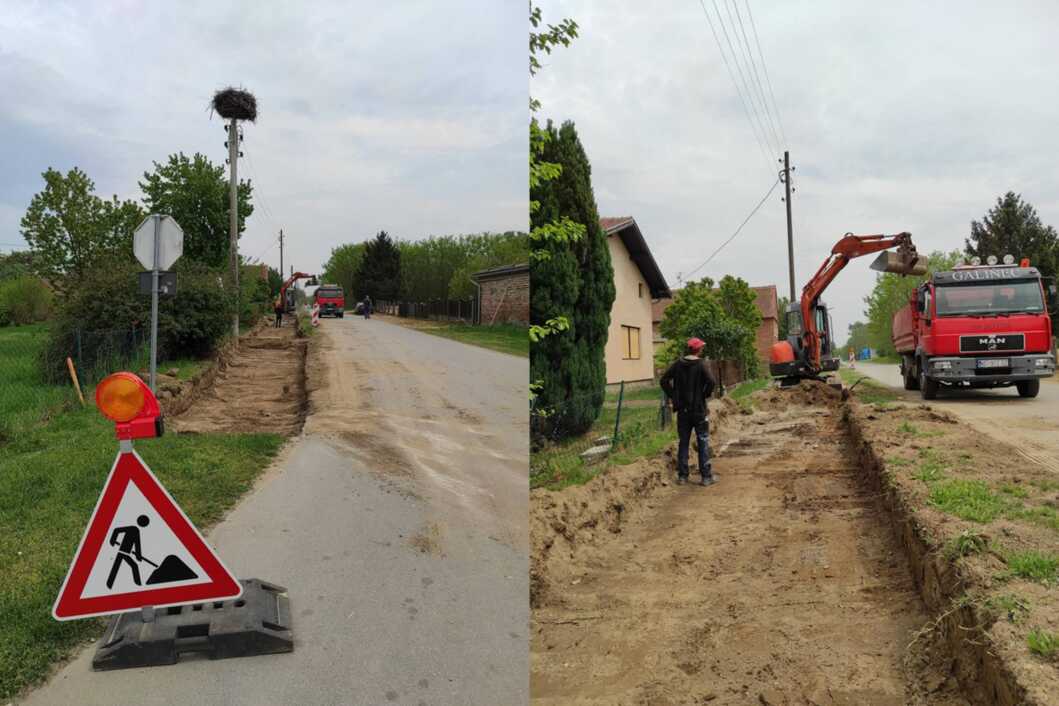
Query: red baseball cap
695, 344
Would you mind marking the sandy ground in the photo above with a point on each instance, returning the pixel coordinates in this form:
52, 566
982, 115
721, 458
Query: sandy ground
261, 389
782, 584
397, 522
1031, 424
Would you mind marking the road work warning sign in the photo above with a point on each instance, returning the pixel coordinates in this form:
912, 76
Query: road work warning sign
140, 549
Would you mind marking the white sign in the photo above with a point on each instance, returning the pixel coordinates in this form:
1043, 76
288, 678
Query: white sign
140, 549
170, 242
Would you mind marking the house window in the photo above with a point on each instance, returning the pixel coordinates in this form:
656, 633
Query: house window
631, 342
641, 290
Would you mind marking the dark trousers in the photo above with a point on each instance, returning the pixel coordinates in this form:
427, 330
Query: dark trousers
685, 425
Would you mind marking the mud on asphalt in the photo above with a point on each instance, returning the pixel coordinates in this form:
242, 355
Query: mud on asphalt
795, 580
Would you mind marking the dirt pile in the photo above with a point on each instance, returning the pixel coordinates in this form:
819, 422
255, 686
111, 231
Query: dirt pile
782, 584
806, 393
259, 386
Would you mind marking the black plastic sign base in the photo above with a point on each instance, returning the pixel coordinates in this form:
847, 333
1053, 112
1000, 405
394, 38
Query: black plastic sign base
256, 623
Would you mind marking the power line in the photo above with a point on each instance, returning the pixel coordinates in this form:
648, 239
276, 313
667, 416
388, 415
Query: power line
757, 76
765, 69
742, 76
742, 101
745, 76
737, 230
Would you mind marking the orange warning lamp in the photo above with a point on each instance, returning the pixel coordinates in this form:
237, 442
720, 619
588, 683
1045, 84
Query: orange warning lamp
129, 403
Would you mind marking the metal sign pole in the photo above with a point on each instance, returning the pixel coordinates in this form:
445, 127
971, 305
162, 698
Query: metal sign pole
154, 302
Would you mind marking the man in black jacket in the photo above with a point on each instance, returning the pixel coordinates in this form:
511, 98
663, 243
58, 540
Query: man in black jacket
688, 384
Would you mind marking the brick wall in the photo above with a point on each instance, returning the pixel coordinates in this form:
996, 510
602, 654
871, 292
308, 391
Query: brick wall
510, 294
767, 334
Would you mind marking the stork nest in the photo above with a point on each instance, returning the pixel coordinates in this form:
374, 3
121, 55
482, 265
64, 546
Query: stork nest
235, 103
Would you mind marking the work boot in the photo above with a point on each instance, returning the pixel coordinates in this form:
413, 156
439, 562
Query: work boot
681, 480
708, 480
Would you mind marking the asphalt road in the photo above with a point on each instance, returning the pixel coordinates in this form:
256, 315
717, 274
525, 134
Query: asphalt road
1031, 424
398, 523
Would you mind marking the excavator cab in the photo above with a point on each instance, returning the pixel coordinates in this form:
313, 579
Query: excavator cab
789, 360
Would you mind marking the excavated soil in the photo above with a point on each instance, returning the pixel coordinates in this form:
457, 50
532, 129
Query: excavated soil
984, 612
782, 584
257, 387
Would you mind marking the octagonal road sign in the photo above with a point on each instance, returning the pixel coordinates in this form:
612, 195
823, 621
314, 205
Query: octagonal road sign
170, 242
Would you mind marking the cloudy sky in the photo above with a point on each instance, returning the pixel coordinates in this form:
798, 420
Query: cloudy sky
898, 116
409, 117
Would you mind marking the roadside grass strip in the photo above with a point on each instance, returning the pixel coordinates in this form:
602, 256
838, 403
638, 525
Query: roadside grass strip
1032, 566
51, 475
868, 390
1043, 643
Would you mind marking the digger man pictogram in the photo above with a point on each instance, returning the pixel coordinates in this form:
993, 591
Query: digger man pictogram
129, 547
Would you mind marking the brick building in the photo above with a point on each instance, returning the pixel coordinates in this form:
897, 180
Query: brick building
503, 295
767, 333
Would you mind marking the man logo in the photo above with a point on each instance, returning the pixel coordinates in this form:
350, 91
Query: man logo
991, 342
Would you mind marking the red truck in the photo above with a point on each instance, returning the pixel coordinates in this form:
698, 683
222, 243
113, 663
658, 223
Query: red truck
331, 300
976, 326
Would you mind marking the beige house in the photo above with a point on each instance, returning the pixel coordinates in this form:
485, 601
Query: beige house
638, 282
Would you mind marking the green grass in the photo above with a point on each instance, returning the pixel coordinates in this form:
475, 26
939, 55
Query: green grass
53, 461
506, 338
969, 500
640, 392
747, 388
1033, 565
868, 390
931, 468
1043, 643
1014, 490
965, 544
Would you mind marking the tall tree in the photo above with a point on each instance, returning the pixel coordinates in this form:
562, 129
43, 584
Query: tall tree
379, 273
485, 251
194, 191
69, 228
16, 264
1012, 227
341, 267
571, 279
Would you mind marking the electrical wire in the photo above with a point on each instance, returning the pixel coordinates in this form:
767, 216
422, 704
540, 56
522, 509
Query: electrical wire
757, 76
731, 75
742, 77
737, 230
765, 69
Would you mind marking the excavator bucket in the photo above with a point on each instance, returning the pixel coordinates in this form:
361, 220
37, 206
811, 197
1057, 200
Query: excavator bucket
899, 263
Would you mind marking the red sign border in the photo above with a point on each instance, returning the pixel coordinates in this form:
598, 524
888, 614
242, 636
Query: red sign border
130, 468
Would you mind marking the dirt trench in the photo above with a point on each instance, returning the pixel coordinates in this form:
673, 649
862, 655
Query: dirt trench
259, 386
782, 584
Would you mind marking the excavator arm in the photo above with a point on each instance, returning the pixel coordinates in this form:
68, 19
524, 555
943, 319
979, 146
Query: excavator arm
291, 280
905, 261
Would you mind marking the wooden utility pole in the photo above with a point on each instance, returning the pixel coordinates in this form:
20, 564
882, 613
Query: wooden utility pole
790, 231
233, 218
281, 253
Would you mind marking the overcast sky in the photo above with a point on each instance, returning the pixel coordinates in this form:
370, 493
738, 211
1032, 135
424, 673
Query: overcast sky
408, 116
898, 117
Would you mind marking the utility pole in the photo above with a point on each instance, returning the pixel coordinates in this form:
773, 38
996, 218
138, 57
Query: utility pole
281, 253
233, 218
786, 176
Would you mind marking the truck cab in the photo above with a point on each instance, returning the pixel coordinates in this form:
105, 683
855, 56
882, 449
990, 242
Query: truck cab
331, 300
789, 371
976, 326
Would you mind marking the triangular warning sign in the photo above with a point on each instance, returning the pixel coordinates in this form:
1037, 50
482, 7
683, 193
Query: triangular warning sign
140, 549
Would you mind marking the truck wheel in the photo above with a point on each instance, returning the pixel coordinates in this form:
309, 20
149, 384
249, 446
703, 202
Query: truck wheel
911, 381
927, 387
1028, 388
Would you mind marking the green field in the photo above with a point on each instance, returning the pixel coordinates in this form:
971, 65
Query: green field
506, 338
54, 458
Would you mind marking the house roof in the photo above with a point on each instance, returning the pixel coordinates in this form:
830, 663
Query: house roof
625, 228
502, 271
767, 302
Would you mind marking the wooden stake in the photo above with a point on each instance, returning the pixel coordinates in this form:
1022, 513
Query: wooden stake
73, 376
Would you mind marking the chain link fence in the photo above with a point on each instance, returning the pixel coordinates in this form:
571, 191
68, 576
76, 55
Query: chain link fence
629, 415
35, 377
465, 310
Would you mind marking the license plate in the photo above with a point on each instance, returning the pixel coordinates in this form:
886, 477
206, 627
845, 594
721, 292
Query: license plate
994, 363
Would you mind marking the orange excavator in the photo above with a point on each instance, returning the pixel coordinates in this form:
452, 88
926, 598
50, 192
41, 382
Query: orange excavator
809, 349
288, 305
